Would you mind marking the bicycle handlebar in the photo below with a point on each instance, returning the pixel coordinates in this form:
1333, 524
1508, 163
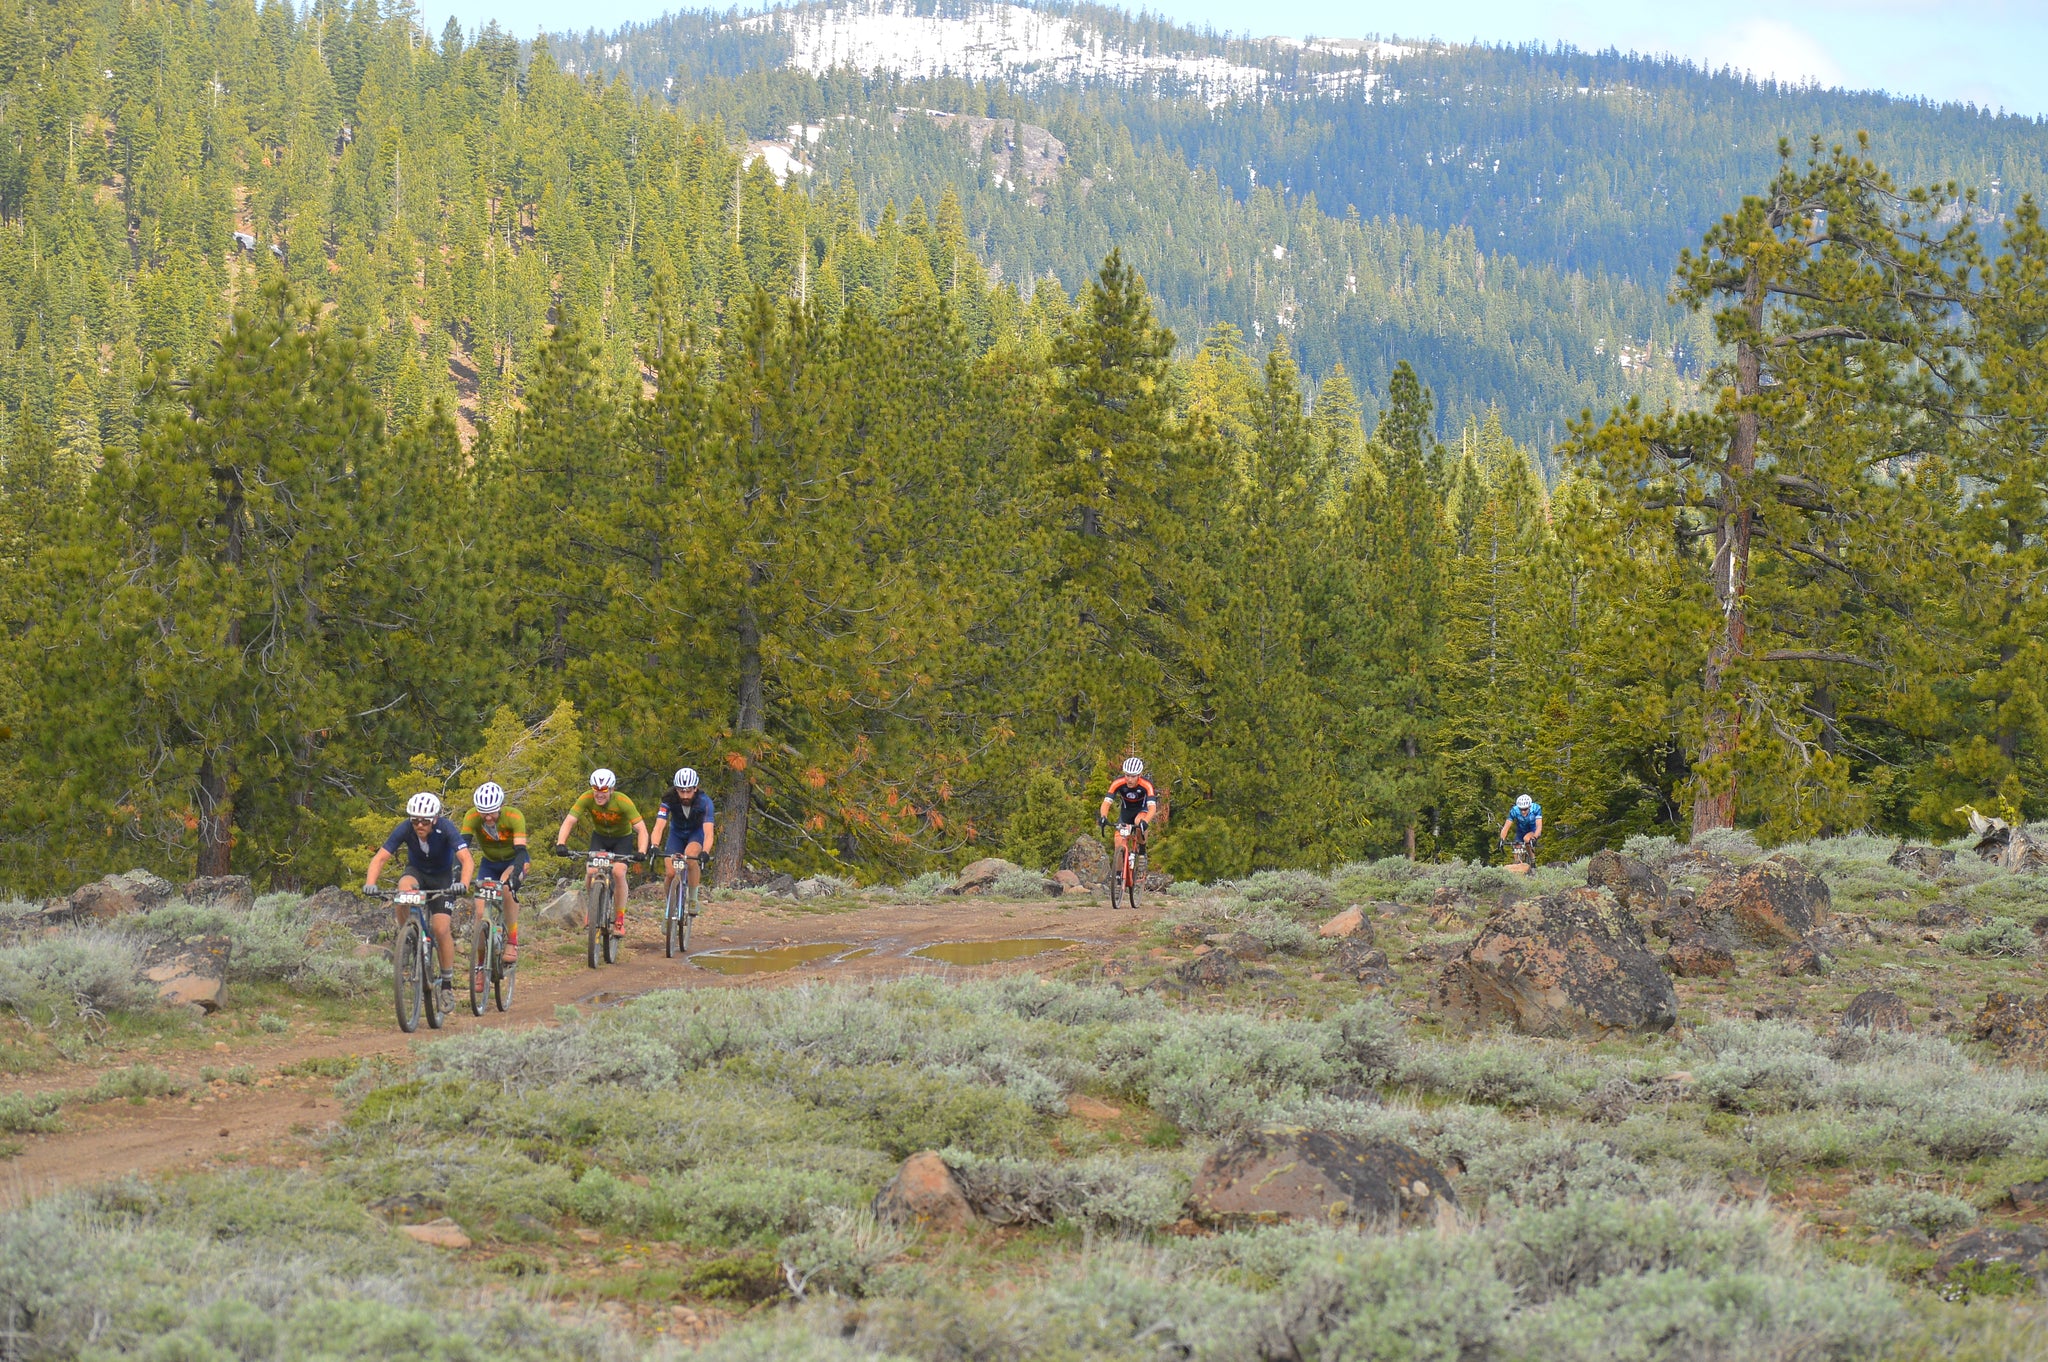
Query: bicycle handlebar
374, 891
606, 857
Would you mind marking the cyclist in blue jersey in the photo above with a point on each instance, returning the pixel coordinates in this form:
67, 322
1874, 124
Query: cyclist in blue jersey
435, 854
1523, 826
689, 820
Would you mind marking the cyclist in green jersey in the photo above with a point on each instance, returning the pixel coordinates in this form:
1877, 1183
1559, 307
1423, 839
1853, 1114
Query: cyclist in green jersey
614, 821
498, 832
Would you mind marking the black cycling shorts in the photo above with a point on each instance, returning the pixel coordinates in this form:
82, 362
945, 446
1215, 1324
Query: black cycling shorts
434, 879
625, 844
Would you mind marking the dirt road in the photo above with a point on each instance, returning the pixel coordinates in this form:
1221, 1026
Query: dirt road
267, 1122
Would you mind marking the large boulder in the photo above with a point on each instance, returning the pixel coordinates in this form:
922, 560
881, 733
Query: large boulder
2023, 1246
1359, 960
978, 877
1634, 884
1322, 1176
1347, 924
777, 882
1699, 959
1773, 903
1088, 859
1568, 964
2017, 1025
133, 891
233, 892
337, 909
924, 1193
1876, 1009
1927, 861
194, 970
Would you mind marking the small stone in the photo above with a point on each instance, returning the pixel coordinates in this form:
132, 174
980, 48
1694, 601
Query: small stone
924, 1192
1092, 1109
1803, 959
2028, 1193
1876, 1009
1941, 915
1068, 881
1345, 924
442, 1233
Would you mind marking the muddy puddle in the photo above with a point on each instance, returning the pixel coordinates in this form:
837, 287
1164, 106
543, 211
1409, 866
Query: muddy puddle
990, 952
771, 959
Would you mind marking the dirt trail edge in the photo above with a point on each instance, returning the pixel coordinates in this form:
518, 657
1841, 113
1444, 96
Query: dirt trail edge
269, 1122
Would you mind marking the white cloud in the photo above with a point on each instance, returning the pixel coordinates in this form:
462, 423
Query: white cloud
1772, 49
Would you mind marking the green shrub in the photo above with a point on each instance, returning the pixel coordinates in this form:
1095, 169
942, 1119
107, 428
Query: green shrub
1046, 822
30, 1112
272, 941
2000, 936
135, 1084
75, 975
1888, 1207
925, 885
1019, 884
1113, 1194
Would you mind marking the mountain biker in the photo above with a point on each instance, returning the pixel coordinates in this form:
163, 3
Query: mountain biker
1134, 800
1525, 823
614, 821
499, 833
687, 815
433, 851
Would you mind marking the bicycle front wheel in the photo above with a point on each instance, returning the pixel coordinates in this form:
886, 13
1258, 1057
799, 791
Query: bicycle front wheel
673, 923
405, 977
479, 967
430, 991
1116, 878
594, 908
691, 898
502, 978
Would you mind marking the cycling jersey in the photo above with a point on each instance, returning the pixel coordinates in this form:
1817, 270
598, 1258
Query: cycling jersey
494, 841
1134, 795
1525, 823
687, 819
612, 818
433, 854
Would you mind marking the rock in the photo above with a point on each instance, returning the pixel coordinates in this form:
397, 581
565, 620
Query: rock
1941, 915
1323, 1177
1068, 881
1699, 959
2012, 848
822, 887
1088, 859
1876, 1009
1635, 886
193, 971
1155, 881
365, 918
2017, 1025
774, 882
411, 1208
1803, 959
1361, 960
133, 891
1567, 964
980, 876
925, 1193
1351, 922
442, 1233
1777, 902
1927, 861
1243, 945
1214, 969
1451, 909
233, 892
564, 908
2024, 1246
1777, 1012
2028, 1193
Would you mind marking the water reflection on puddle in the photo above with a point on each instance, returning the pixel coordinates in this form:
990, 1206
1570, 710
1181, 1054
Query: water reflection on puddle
768, 960
990, 952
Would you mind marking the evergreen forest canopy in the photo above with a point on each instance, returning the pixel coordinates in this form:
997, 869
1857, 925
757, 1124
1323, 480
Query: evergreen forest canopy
526, 428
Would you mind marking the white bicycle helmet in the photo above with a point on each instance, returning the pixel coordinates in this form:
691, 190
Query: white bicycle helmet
603, 779
489, 797
423, 805
1134, 766
1523, 803
686, 779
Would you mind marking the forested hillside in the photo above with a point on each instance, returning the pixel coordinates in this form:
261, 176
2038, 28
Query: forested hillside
545, 433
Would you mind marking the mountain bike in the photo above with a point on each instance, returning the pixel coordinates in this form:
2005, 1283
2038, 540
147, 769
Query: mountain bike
1521, 856
487, 968
680, 908
1127, 864
601, 942
413, 965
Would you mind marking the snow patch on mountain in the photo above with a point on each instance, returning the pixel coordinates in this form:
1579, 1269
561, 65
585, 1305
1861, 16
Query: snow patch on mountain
1029, 48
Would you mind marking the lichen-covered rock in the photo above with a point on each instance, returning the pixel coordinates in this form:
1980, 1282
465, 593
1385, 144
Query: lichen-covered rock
1567, 964
925, 1193
1927, 861
1634, 884
1804, 958
1777, 902
2017, 1025
1323, 1177
193, 971
233, 892
978, 877
1876, 1009
132, 891
1358, 959
1941, 915
1349, 923
1698, 960
1088, 859
1212, 969
2023, 1246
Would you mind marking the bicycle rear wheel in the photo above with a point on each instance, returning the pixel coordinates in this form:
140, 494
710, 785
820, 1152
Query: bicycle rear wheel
1131, 883
479, 966
405, 977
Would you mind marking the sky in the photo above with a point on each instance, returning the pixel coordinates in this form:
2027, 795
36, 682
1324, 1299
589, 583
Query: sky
1988, 52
